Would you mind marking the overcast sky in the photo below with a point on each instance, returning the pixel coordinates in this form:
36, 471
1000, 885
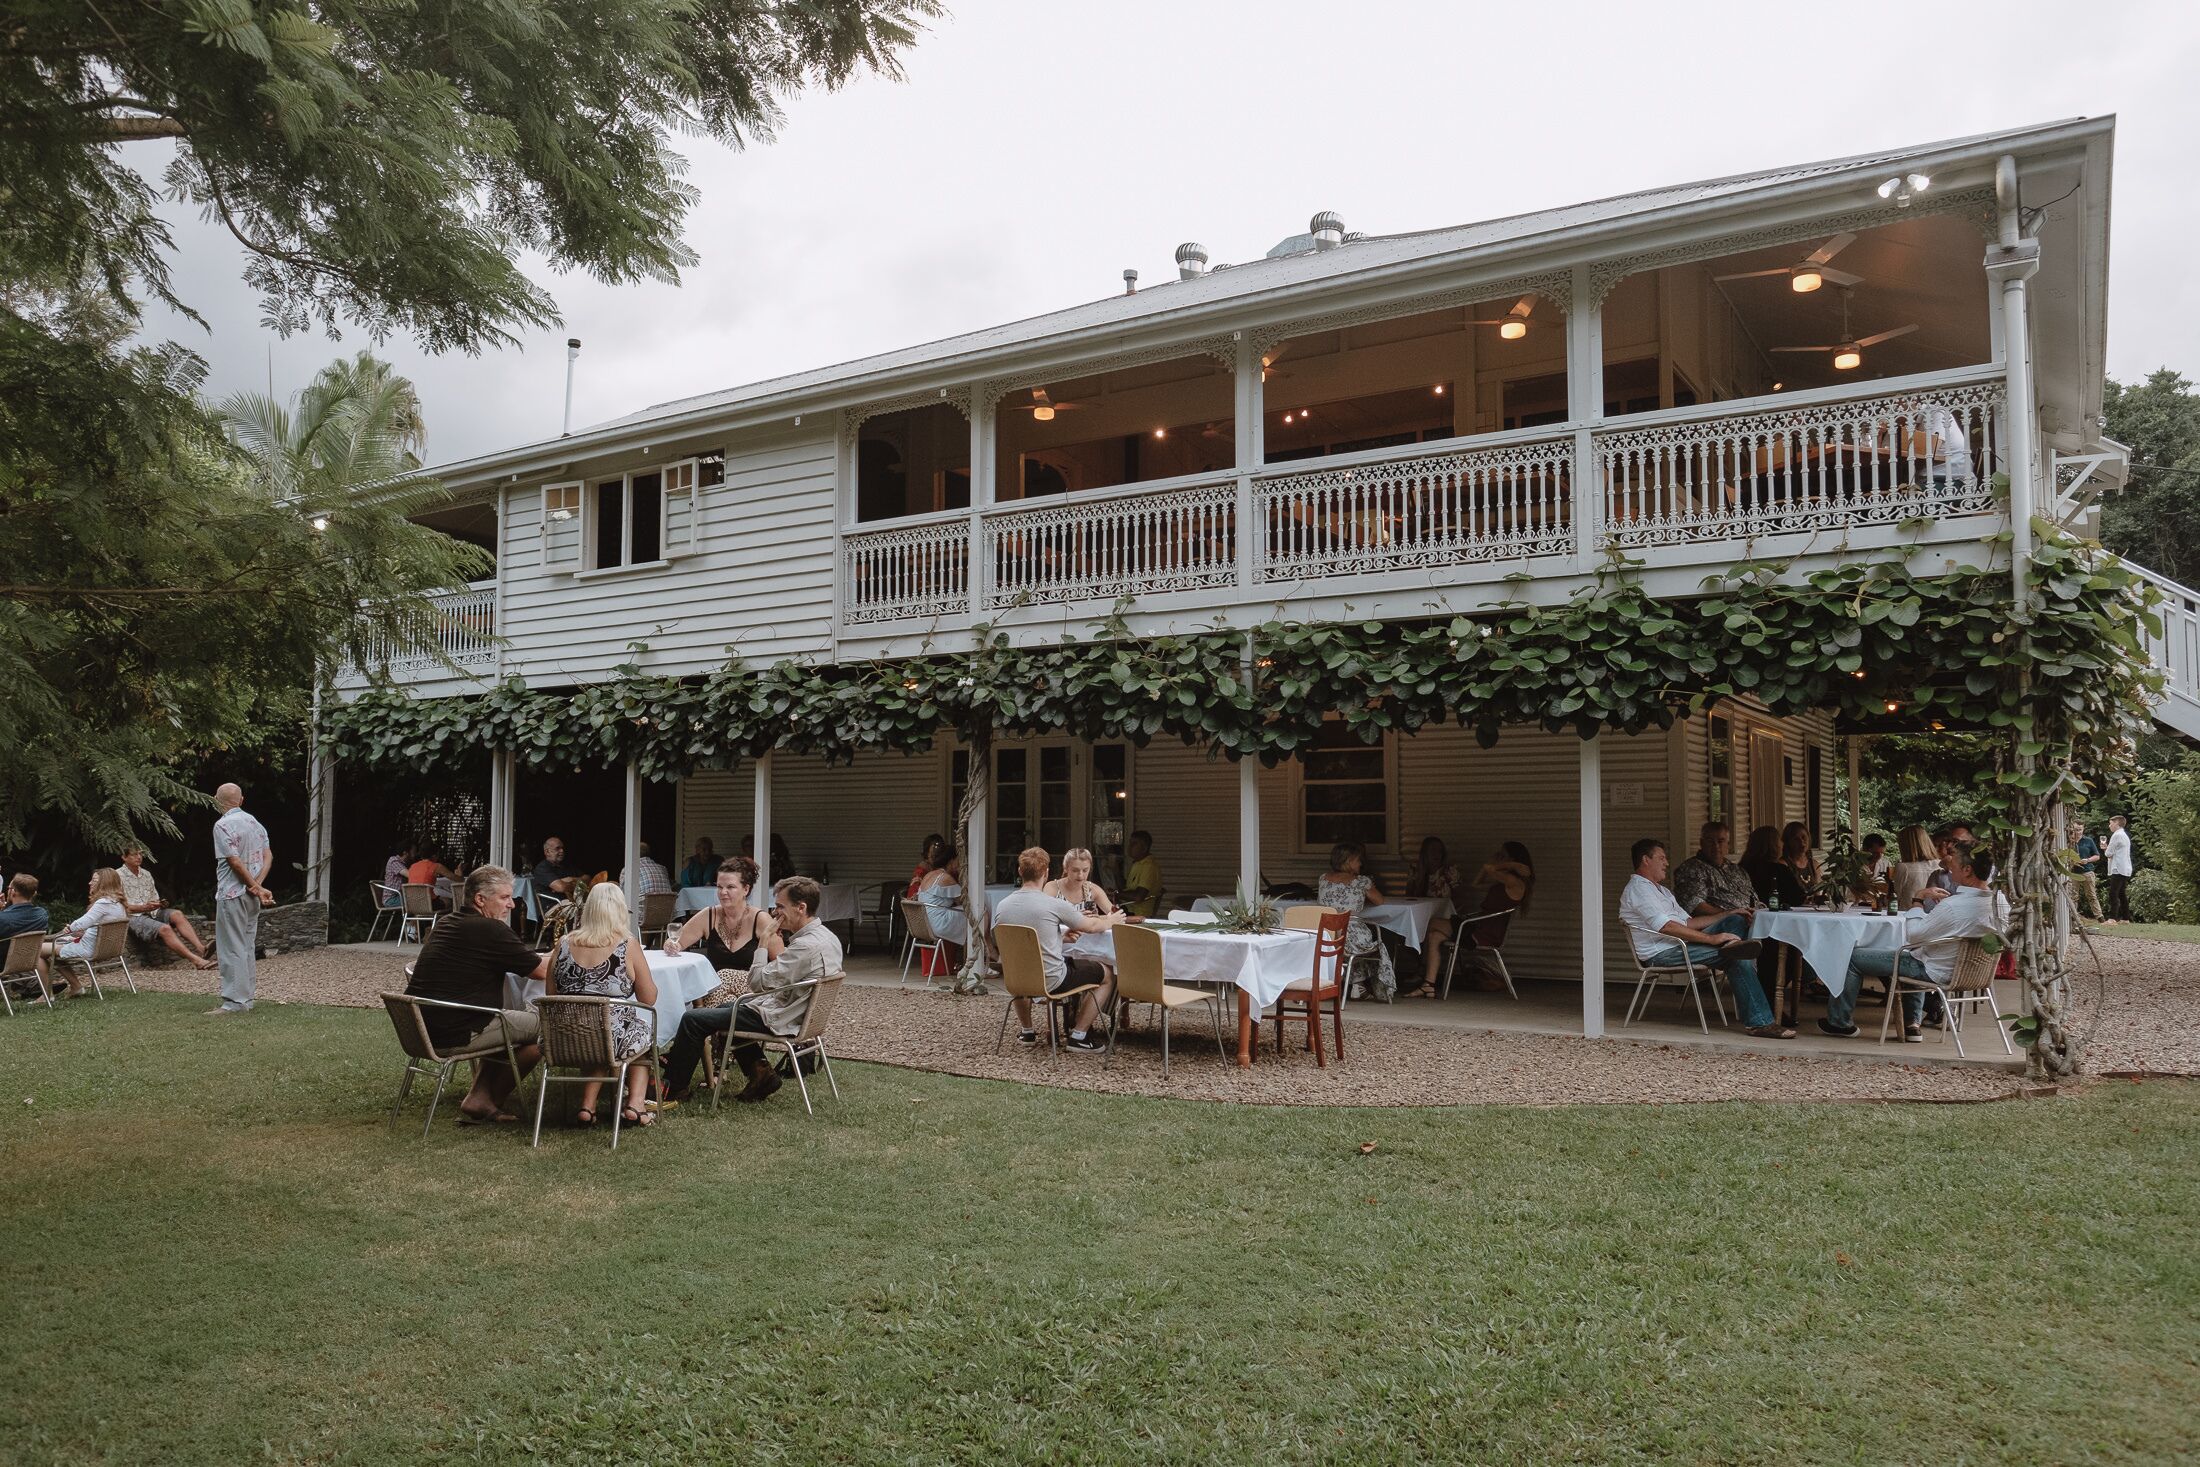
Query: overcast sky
1036, 150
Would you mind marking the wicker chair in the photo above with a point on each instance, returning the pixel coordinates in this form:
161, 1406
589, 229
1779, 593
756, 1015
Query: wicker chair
656, 919
1972, 985
1138, 979
419, 909
577, 1035
22, 963
806, 1041
110, 949
1024, 975
1683, 974
922, 939
407, 1016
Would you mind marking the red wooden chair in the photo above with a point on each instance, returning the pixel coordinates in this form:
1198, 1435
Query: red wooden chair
1324, 985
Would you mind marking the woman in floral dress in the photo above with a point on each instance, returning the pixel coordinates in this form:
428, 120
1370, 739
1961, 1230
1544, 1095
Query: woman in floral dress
1434, 877
598, 958
1345, 889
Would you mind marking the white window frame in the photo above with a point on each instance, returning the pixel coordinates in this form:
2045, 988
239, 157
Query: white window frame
569, 499
679, 517
1389, 846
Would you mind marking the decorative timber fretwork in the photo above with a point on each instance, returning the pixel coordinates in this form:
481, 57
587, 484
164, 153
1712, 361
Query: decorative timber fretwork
1975, 204
1555, 286
1222, 348
957, 397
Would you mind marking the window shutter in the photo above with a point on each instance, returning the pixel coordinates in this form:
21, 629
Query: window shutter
683, 509
561, 527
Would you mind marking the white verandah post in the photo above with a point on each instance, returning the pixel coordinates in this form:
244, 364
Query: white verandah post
502, 768
761, 834
1251, 534
1592, 887
1585, 406
630, 868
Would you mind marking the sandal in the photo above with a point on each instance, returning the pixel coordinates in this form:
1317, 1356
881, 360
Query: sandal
584, 1117
635, 1117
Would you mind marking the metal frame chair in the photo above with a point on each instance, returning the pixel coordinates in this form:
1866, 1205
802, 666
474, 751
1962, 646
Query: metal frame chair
1139, 979
21, 963
110, 949
421, 1054
1684, 974
1309, 995
921, 936
1972, 983
1459, 926
388, 902
418, 909
885, 912
809, 1039
577, 1035
1024, 975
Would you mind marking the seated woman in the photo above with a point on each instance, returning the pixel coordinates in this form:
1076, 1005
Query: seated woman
1918, 866
1507, 880
1344, 888
1077, 886
76, 939
1775, 880
1796, 854
726, 934
1432, 876
928, 861
598, 957
941, 892
429, 871
153, 920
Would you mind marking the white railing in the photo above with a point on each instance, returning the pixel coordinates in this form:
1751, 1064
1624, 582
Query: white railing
466, 631
1922, 454
2176, 653
1459, 506
916, 571
1080, 548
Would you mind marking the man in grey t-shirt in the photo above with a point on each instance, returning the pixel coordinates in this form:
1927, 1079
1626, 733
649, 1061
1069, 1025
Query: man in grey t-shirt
1050, 916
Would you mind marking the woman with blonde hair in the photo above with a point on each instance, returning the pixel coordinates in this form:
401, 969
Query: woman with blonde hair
1077, 886
76, 939
1918, 864
598, 956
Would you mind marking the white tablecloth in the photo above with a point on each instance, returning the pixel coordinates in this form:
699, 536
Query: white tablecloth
694, 899
1407, 916
993, 895
1827, 939
681, 979
836, 903
1262, 965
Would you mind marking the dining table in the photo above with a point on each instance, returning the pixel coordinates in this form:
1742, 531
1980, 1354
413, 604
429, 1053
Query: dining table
681, 978
1258, 966
1825, 938
1409, 917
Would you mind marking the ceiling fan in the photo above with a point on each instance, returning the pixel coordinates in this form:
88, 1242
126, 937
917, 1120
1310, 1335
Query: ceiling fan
1042, 407
1812, 271
1514, 323
1848, 352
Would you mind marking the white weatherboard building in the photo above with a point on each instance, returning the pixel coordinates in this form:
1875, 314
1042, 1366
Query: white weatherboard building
1810, 364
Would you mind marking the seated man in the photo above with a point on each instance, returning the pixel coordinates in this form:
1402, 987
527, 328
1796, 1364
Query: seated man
798, 950
20, 912
464, 960
702, 867
1660, 931
1875, 857
553, 876
429, 871
1934, 938
1708, 884
394, 873
1142, 881
653, 880
153, 920
1050, 916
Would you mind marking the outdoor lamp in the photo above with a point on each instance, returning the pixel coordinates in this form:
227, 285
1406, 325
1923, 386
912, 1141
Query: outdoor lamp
1805, 280
1847, 359
1042, 414
1513, 330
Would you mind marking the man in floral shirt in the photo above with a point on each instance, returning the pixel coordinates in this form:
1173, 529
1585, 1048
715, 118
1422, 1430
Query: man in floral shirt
1707, 883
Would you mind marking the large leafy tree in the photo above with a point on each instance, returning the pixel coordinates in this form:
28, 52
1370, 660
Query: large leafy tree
175, 580
2155, 520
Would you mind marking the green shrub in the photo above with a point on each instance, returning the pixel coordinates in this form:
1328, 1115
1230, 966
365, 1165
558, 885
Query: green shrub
2155, 897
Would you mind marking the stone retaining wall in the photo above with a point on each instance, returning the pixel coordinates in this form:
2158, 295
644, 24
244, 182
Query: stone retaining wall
291, 927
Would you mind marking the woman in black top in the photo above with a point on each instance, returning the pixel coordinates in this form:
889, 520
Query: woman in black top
1768, 873
725, 934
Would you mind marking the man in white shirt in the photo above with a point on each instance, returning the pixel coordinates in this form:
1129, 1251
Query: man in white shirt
2119, 870
1660, 929
1932, 941
1050, 916
241, 863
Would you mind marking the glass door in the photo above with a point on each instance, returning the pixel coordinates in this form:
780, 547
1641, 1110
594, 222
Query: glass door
1033, 788
1107, 806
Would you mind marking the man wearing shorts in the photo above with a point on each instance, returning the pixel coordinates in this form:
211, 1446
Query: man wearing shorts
1050, 916
464, 960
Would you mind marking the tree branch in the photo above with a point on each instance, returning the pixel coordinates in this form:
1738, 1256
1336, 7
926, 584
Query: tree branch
138, 129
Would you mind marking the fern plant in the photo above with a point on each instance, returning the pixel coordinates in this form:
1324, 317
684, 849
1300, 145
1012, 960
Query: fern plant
1244, 914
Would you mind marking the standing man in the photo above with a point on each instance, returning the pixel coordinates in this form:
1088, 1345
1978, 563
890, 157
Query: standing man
2119, 870
241, 863
2085, 882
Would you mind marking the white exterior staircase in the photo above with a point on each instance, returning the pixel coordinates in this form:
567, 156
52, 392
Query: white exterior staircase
2176, 653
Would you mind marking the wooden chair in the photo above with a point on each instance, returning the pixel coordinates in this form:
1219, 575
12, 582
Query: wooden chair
1138, 979
1459, 939
806, 1041
1972, 985
1023, 974
577, 1035
1307, 917
110, 949
1683, 974
22, 963
408, 1016
389, 904
419, 909
922, 939
1310, 993
656, 918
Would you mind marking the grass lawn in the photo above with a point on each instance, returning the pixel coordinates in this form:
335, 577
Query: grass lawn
2154, 931
219, 1254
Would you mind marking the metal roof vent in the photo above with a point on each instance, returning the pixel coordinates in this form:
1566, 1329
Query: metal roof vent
1352, 235
1191, 260
1130, 282
1327, 229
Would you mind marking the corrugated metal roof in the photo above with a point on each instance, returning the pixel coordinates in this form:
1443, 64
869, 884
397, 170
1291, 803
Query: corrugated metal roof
1255, 277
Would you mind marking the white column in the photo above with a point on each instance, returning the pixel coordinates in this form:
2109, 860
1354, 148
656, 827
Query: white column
763, 826
974, 859
984, 491
320, 817
1249, 826
1592, 887
503, 771
1251, 448
1585, 406
630, 868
